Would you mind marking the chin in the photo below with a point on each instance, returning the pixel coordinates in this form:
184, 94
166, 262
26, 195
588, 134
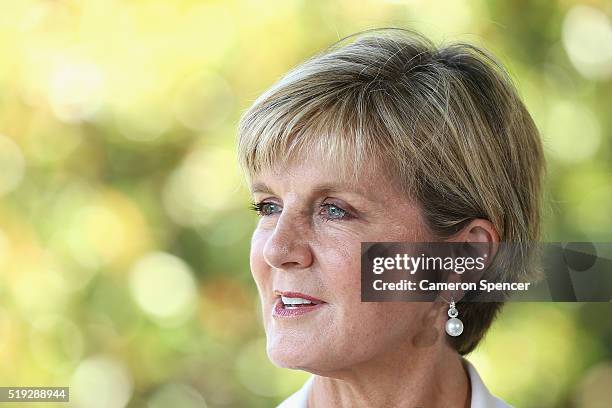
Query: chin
299, 353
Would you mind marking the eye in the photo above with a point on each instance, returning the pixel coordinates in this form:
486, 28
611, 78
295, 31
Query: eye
265, 208
333, 212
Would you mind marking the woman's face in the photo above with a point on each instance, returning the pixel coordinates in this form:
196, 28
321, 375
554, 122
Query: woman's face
307, 245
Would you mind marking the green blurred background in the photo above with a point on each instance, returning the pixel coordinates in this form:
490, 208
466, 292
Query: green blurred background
124, 228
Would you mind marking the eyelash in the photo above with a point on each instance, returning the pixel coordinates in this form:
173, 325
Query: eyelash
259, 209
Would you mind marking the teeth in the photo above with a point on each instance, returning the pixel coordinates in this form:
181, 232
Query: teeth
295, 301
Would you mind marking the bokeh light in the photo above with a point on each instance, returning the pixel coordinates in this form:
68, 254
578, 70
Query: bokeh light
574, 132
101, 382
177, 395
12, 165
587, 37
163, 286
201, 186
76, 90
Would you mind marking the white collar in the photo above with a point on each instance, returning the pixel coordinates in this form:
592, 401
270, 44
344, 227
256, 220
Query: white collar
481, 396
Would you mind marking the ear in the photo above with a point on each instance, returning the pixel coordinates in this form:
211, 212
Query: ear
478, 230
481, 240
483, 235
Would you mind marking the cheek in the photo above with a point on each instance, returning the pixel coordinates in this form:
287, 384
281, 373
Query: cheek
341, 267
259, 266
367, 328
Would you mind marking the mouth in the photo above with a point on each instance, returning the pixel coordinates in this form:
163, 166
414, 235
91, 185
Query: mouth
292, 304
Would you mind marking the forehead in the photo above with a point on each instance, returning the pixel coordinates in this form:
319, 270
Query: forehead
317, 173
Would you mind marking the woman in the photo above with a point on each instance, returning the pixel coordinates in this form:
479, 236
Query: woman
385, 138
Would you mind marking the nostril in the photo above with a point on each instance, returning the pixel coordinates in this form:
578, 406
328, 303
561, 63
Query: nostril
284, 254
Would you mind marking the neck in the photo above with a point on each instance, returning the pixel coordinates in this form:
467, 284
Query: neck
404, 377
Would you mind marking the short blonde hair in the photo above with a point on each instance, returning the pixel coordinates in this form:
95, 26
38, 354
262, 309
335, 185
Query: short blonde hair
446, 122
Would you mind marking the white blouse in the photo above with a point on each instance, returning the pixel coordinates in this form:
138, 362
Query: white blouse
481, 397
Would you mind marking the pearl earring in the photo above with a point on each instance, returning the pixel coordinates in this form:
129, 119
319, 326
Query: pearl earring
454, 326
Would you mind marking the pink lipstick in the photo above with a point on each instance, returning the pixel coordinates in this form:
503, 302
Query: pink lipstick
292, 304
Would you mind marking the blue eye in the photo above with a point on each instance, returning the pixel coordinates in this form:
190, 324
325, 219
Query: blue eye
333, 212
264, 209
328, 211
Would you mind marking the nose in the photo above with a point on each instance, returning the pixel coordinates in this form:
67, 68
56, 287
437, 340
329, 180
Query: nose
287, 247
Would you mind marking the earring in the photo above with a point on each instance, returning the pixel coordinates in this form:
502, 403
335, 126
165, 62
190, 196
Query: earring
454, 326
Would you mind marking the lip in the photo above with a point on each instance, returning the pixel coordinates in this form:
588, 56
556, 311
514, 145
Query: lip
298, 295
280, 310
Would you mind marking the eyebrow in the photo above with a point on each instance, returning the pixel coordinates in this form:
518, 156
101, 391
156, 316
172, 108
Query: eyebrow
319, 189
260, 188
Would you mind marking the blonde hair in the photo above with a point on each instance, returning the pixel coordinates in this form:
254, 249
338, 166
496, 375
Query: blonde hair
446, 122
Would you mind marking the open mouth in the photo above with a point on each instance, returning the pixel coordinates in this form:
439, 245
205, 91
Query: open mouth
295, 304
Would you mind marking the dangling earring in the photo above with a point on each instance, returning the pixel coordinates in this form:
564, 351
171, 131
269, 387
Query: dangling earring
454, 326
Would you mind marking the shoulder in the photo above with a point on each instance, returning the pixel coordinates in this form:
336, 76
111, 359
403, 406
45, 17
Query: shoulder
299, 399
481, 396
